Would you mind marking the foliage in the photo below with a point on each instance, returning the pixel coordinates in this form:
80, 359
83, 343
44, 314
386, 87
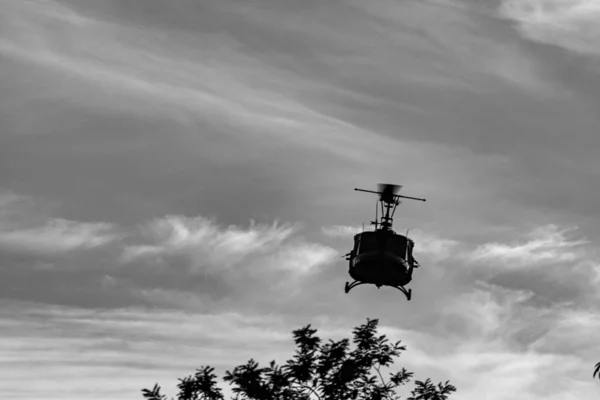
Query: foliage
318, 370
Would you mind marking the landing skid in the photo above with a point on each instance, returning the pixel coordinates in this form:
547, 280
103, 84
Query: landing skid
349, 286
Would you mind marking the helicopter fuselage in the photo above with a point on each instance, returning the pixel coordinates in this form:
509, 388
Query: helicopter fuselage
380, 268
382, 257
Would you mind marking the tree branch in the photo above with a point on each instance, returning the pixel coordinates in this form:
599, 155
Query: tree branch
382, 380
309, 388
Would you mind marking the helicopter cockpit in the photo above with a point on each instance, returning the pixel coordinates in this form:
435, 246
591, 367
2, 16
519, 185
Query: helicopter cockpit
367, 242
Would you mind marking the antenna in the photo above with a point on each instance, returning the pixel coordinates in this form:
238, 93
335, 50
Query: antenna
407, 244
376, 217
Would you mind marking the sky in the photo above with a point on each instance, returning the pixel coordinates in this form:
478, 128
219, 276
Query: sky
176, 188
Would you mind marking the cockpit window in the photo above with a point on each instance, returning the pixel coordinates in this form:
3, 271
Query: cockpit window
397, 245
368, 243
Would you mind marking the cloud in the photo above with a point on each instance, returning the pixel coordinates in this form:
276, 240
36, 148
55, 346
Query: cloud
125, 350
434, 246
573, 333
547, 244
172, 262
205, 242
18, 211
483, 340
571, 24
175, 78
341, 231
58, 236
463, 46
301, 259
37, 234
241, 262
541, 246
486, 311
558, 267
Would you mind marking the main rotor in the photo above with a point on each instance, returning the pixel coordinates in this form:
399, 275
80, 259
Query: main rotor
389, 199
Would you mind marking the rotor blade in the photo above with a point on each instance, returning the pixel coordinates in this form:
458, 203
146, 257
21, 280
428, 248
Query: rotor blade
389, 196
408, 197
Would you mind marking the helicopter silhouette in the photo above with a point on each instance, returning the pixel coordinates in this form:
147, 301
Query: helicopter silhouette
382, 257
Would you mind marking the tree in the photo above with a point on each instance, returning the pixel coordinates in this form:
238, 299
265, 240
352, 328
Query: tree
318, 370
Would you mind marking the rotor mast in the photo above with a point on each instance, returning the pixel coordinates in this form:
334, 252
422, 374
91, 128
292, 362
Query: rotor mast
390, 200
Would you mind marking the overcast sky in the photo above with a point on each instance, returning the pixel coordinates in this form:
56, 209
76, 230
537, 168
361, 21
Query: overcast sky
176, 188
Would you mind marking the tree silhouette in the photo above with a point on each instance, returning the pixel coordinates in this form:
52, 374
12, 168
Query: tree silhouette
322, 371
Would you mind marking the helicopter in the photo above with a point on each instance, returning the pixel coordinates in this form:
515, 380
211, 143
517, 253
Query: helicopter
383, 257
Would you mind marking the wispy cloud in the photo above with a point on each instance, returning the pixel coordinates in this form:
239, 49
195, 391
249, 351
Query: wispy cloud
341, 231
37, 234
547, 244
58, 236
571, 24
488, 337
456, 36
302, 258
116, 353
268, 258
436, 247
174, 261
202, 238
262, 104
